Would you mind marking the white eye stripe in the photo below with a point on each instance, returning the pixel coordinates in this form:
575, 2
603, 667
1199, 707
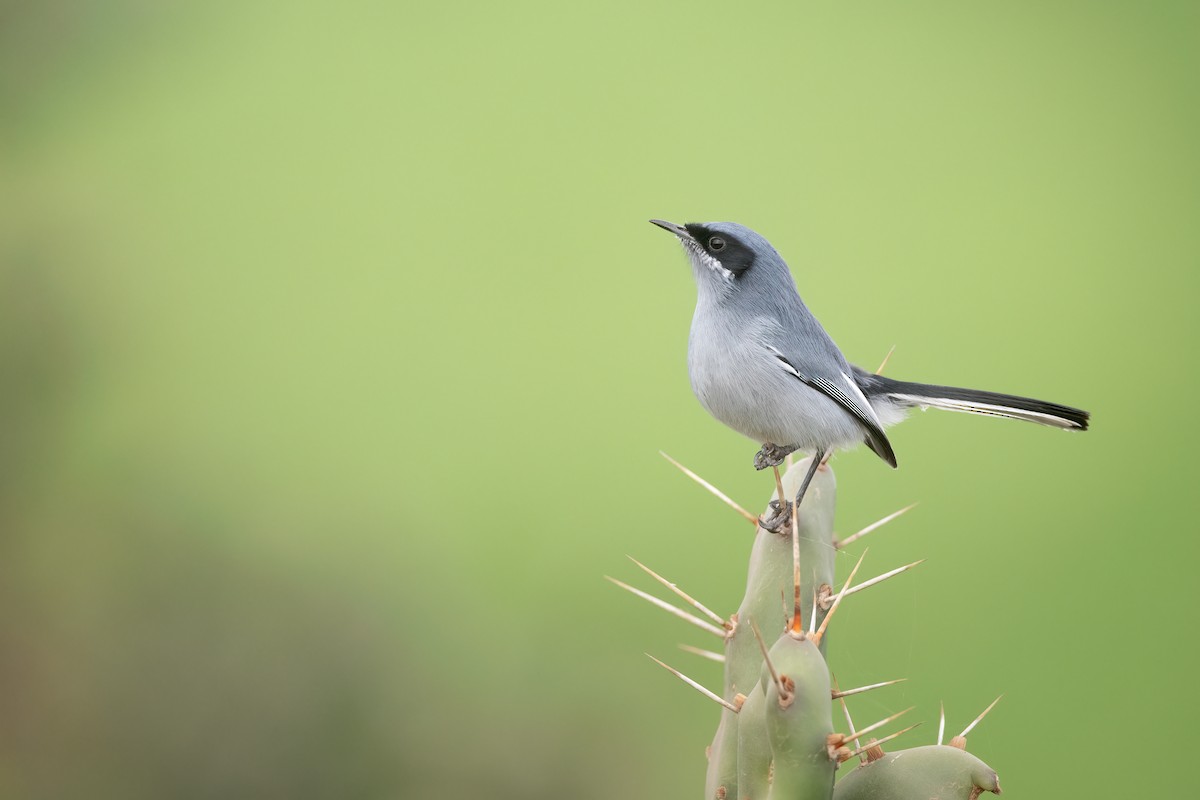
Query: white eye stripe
710, 262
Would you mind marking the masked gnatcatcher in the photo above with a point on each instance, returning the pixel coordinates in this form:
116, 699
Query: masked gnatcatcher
761, 363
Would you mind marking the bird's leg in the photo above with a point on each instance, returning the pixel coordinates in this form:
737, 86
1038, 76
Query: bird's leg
817, 458
772, 455
778, 511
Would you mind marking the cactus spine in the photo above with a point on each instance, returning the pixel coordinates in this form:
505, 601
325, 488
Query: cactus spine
775, 739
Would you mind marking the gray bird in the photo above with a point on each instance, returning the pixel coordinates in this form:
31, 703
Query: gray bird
761, 363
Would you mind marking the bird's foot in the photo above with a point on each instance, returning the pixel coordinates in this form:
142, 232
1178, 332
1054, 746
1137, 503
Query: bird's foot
772, 455
776, 517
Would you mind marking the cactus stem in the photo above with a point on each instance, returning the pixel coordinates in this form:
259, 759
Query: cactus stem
837, 601
877, 725
687, 598
978, 719
879, 579
711, 695
709, 654
670, 609
886, 358
876, 743
942, 722
859, 690
874, 526
767, 659
726, 499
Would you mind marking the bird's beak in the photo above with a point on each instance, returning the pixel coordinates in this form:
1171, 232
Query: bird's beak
678, 230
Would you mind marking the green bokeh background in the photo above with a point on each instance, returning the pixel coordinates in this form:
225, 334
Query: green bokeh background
336, 355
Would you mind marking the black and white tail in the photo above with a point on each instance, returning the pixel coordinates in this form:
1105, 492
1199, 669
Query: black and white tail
905, 394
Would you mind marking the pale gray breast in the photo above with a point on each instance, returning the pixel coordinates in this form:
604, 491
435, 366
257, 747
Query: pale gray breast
739, 381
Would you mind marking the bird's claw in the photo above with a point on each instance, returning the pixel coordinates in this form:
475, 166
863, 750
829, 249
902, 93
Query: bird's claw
776, 516
772, 455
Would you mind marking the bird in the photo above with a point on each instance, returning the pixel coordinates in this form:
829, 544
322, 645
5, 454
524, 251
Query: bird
762, 364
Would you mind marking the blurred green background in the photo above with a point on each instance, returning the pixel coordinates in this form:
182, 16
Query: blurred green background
336, 355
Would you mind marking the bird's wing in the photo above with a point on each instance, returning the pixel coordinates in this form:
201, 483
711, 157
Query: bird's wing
845, 392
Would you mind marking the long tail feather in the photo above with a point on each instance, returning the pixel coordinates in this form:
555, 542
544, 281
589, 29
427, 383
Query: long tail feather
975, 401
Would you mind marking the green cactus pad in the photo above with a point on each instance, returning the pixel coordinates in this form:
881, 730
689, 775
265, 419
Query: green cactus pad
799, 716
754, 747
934, 771
780, 743
767, 602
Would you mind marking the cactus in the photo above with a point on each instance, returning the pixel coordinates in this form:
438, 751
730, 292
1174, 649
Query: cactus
776, 739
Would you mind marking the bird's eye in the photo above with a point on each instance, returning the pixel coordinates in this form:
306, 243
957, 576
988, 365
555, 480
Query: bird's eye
716, 244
